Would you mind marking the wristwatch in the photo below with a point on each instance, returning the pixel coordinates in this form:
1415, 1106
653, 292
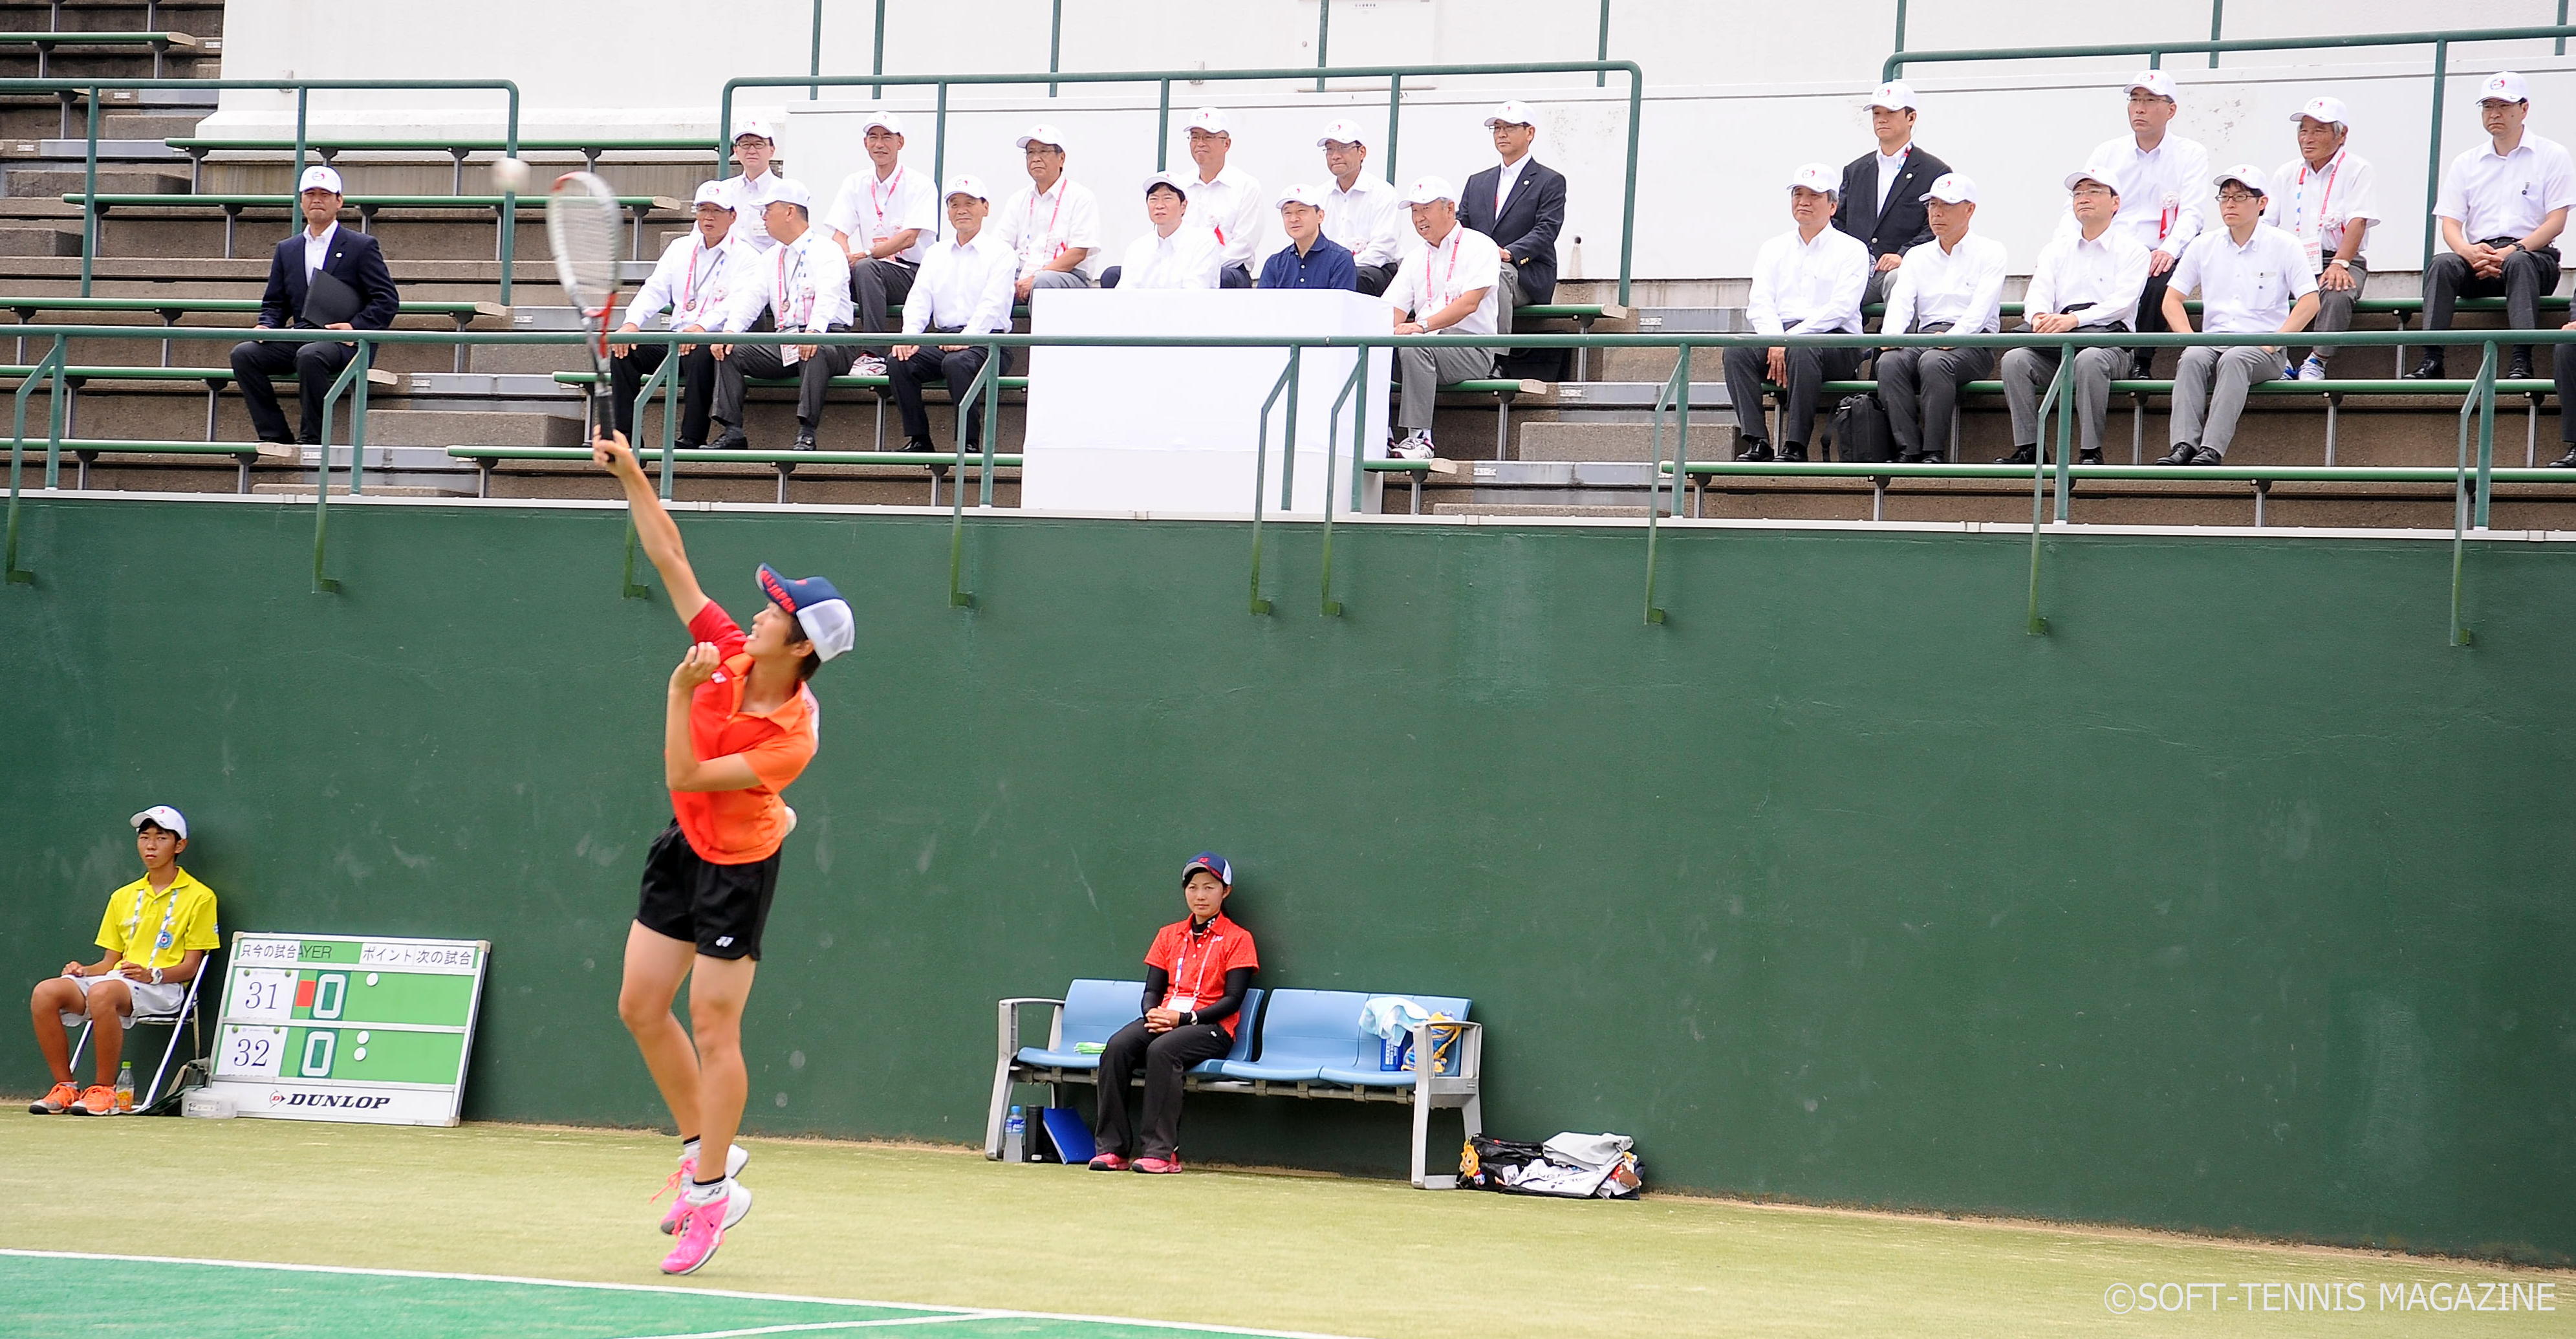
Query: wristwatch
156, 976
1189, 1016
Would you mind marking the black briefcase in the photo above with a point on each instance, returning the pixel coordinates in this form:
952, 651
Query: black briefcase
1860, 430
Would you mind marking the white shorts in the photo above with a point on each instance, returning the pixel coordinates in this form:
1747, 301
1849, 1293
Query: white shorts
149, 999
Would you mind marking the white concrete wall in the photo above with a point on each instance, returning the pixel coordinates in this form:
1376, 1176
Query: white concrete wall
1739, 93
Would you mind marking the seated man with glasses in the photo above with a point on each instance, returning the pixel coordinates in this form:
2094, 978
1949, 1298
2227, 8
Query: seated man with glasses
2252, 277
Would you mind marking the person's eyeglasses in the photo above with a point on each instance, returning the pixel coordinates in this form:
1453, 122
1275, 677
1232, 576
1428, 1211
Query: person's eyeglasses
2237, 197
2093, 190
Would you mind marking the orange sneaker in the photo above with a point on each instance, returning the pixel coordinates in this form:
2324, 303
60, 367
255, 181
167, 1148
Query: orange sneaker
56, 1102
96, 1100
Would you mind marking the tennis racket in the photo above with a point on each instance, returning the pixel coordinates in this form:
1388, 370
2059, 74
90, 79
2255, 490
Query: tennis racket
583, 225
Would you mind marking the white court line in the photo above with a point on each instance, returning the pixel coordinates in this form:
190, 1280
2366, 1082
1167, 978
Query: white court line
834, 1325
942, 1312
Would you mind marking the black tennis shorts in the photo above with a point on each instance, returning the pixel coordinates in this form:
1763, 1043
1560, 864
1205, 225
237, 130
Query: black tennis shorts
720, 908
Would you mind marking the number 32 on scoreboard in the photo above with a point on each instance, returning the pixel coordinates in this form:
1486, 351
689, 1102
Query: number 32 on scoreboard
250, 1052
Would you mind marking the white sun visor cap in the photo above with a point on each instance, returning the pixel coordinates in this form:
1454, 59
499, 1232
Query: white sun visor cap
166, 818
829, 625
2243, 174
1896, 95
1513, 113
1427, 189
1172, 179
319, 179
1953, 188
2107, 175
1041, 134
1816, 177
966, 183
1301, 194
892, 123
712, 193
2504, 86
754, 127
1208, 119
2325, 111
2153, 81
790, 191
1345, 132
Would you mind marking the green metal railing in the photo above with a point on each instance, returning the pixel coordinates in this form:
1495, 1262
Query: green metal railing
2473, 477
2217, 26
303, 90
1395, 75
2440, 40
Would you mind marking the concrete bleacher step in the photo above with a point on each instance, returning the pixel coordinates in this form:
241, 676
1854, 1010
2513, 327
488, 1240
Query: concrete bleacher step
1591, 440
456, 427
1537, 509
57, 177
33, 241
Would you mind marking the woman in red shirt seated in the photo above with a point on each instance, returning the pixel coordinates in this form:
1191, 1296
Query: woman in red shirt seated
1195, 977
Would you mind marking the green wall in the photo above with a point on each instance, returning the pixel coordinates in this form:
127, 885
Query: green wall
2240, 901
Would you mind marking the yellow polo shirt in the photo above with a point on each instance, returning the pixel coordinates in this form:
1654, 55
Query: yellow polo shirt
133, 925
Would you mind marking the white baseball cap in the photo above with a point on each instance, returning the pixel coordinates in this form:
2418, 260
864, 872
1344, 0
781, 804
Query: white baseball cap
1816, 177
966, 183
1513, 113
2328, 111
1348, 132
753, 125
2154, 81
1041, 133
2504, 86
790, 191
1953, 188
1427, 189
892, 123
1299, 193
1171, 179
168, 819
2105, 174
1896, 95
713, 193
319, 179
2243, 174
1208, 119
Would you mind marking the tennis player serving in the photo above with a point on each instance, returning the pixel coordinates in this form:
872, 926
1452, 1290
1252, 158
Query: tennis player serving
738, 725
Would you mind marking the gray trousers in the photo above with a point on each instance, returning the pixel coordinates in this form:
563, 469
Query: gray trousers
2209, 391
876, 286
1061, 279
2027, 372
1809, 368
1422, 372
2334, 308
1920, 387
814, 377
1508, 296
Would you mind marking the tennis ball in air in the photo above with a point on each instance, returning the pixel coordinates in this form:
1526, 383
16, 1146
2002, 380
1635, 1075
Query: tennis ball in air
510, 175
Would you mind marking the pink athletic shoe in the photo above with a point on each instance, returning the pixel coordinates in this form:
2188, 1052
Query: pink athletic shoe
702, 1229
1109, 1162
677, 1186
1159, 1166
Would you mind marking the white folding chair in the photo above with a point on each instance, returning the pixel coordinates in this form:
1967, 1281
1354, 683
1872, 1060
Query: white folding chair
186, 1014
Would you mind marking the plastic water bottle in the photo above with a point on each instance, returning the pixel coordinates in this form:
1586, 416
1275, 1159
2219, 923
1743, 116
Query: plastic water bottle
125, 1086
1015, 1136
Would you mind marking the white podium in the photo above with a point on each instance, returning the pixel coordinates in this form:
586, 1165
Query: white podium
1174, 430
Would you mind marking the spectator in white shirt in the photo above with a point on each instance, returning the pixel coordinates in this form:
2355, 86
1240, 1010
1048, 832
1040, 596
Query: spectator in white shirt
1177, 253
1447, 287
696, 279
2327, 198
964, 288
1225, 200
802, 283
1807, 280
2163, 180
1953, 284
2087, 281
2251, 277
1053, 223
879, 219
1360, 211
2500, 209
750, 193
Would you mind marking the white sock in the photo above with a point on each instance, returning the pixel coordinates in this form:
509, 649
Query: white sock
709, 1192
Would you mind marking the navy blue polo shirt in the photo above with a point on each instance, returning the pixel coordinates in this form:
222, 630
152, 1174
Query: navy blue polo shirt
1327, 264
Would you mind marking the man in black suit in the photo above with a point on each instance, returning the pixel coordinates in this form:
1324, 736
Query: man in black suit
1883, 189
352, 258
1521, 205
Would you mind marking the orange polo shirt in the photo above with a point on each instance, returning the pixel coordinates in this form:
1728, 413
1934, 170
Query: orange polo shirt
740, 827
1197, 963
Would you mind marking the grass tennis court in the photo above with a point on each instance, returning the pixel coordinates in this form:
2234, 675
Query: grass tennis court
522, 1231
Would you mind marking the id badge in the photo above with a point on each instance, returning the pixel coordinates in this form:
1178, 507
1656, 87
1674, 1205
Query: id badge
1178, 1003
2315, 246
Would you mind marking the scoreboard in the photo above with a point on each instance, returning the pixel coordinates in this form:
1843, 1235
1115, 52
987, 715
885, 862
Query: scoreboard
344, 1028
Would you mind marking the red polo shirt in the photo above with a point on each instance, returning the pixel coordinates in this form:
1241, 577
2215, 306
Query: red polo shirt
740, 827
1197, 963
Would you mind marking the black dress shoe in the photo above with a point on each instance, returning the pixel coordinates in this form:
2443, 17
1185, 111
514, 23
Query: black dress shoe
2430, 369
2519, 369
1792, 451
2180, 455
2565, 462
2142, 363
2092, 457
1754, 449
731, 439
922, 444
804, 441
2027, 455
2205, 456
686, 444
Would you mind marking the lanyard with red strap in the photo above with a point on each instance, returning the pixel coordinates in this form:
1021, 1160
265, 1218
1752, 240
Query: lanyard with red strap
796, 314
1031, 216
1456, 244
894, 184
1198, 988
2298, 211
